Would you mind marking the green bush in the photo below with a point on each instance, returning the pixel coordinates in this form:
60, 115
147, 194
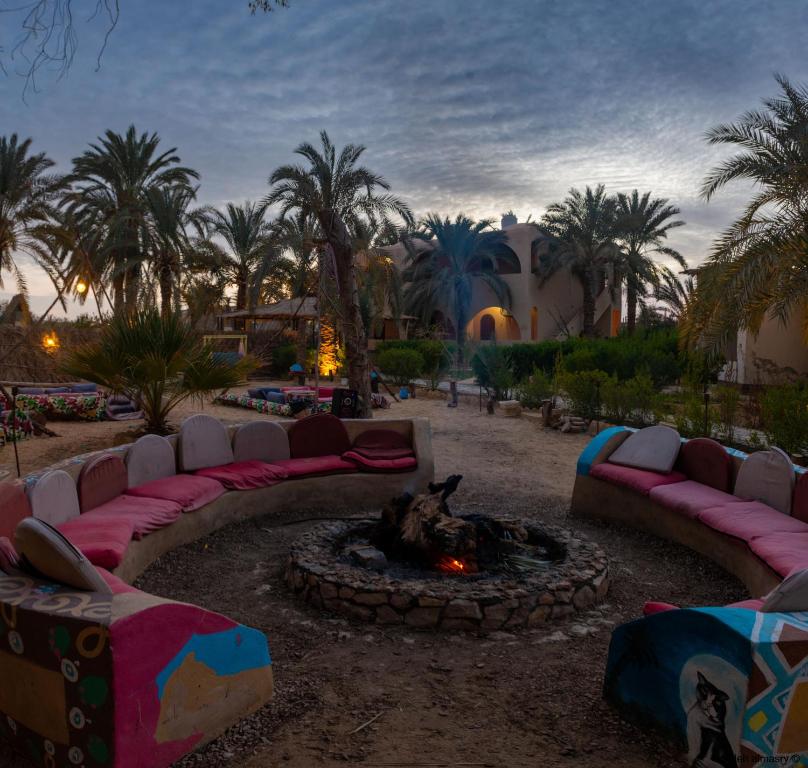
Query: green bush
492, 370
283, 358
691, 418
401, 365
728, 400
784, 411
582, 391
534, 389
436, 360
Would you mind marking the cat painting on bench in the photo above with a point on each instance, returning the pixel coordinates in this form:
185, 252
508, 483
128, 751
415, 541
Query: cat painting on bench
708, 745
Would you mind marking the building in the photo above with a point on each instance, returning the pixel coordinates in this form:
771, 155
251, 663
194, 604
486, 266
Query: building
538, 311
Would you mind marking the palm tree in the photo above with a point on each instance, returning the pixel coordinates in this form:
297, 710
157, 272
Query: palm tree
341, 195
113, 180
674, 294
584, 231
643, 224
759, 266
463, 252
27, 208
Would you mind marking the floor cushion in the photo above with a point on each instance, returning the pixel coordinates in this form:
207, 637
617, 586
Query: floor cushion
102, 478
367, 464
54, 498
782, 552
260, 441
767, 476
318, 435
14, 506
707, 462
799, 506
382, 444
204, 442
244, 475
690, 497
191, 492
102, 539
316, 465
748, 519
639, 480
146, 515
654, 449
151, 457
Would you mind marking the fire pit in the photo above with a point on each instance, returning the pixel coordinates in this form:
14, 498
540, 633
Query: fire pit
422, 566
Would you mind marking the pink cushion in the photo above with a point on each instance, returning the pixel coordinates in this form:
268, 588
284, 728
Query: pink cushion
706, 462
316, 465
102, 539
652, 607
191, 492
799, 507
318, 435
118, 586
782, 552
401, 464
101, 479
14, 506
244, 475
690, 497
640, 480
748, 519
146, 515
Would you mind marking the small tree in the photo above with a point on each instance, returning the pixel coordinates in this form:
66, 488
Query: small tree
492, 370
401, 365
158, 362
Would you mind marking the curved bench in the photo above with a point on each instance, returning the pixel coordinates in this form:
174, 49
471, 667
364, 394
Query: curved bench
130, 680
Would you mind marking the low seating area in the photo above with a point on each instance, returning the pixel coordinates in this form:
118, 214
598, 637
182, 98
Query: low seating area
71, 401
100, 673
726, 684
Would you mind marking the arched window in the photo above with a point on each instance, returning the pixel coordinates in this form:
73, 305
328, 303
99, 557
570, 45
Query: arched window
488, 328
534, 324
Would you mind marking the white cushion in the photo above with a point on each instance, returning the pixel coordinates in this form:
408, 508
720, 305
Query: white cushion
653, 448
150, 458
54, 498
791, 595
767, 476
204, 442
261, 441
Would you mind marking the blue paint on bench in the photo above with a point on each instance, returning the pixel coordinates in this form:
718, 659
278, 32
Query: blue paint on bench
593, 448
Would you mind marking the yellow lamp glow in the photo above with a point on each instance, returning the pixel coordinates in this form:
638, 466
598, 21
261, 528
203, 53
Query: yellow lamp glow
81, 287
50, 341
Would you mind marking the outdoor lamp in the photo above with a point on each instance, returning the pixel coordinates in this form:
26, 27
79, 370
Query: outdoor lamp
81, 287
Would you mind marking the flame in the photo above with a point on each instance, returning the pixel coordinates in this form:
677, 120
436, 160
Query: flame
50, 341
451, 565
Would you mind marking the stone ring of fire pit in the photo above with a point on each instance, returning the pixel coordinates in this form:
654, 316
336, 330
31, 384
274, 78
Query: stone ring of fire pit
319, 571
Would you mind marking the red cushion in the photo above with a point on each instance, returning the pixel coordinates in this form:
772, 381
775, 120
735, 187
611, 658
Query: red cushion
101, 479
9, 559
782, 551
318, 435
316, 465
799, 506
652, 607
244, 475
118, 586
706, 462
689, 498
146, 515
748, 519
102, 539
381, 438
401, 464
14, 506
191, 492
640, 480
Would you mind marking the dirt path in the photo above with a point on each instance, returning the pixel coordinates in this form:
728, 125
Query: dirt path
353, 694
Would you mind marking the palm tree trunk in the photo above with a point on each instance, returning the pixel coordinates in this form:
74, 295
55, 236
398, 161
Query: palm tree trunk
460, 332
118, 292
353, 329
166, 286
588, 307
301, 342
132, 288
631, 309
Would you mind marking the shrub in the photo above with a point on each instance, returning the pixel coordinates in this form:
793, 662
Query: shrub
582, 391
402, 365
784, 411
492, 369
283, 358
691, 418
436, 360
635, 401
534, 389
727, 406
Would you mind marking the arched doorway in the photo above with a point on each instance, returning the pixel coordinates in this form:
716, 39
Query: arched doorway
534, 324
488, 328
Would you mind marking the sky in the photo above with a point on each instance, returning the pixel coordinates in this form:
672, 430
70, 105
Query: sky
474, 106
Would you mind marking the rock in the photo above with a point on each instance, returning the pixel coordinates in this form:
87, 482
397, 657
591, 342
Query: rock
400, 600
431, 602
386, 615
512, 409
367, 556
463, 609
583, 598
422, 617
539, 615
464, 625
370, 598
328, 591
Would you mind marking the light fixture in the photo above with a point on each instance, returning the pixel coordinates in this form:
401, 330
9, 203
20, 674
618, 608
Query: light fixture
50, 341
81, 287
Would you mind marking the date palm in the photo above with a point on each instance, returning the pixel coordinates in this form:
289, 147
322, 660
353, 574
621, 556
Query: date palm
584, 231
675, 294
463, 253
112, 181
643, 224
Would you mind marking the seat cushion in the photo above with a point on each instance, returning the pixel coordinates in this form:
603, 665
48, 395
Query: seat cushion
382, 444
782, 552
191, 492
318, 435
640, 480
102, 478
14, 506
150, 457
204, 442
767, 476
116, 585
260, 441
316, 465
653, 448
748, 519
707, 462
366, 464
146, 515
244, 475
690, 497
102, 539
54, 498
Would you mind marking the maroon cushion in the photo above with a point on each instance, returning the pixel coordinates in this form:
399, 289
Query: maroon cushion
191, 492
782, 551
318, 435
690, 497
244, 475
706, 462
400, 464
102, 539
9, 559
146, 515
316, 465
381, 438
640, 480
748, 519
799, 506
383, 453
14, 506
654, 606
101, 479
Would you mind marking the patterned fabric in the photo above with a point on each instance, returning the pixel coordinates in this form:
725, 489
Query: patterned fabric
89, 407
16, 427
262, 406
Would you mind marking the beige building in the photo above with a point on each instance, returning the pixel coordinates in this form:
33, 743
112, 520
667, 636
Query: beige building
538, 311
